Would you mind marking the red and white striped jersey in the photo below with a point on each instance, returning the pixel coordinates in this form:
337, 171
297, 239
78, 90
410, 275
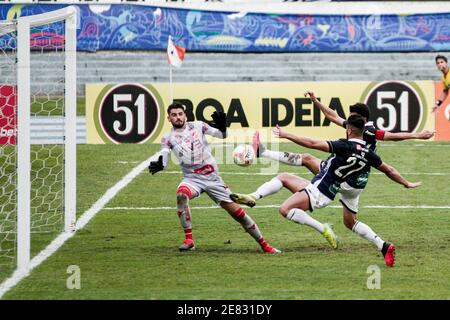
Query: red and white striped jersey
191, 149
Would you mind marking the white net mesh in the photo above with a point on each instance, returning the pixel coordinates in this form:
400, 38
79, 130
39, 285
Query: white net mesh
8, 154
47, 112
47, 139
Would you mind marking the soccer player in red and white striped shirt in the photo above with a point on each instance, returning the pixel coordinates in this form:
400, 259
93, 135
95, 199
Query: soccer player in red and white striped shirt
187, 140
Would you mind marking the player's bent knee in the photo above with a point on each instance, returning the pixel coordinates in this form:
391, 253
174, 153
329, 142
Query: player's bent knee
183, 193
230, 207
309, 160
284, 210
283, 177
306, 157
181, 197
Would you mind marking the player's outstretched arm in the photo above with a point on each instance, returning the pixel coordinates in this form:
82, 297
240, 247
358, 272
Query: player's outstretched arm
393, 174
302, 141
399, 136
329, 113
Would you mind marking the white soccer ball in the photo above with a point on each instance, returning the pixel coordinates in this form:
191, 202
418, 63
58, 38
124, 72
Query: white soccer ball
243, 155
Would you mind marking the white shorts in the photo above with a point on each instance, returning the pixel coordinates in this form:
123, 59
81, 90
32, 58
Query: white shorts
349, 197
216, 189
316, 198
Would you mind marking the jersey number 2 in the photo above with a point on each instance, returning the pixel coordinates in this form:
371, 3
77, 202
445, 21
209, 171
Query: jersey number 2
354, 165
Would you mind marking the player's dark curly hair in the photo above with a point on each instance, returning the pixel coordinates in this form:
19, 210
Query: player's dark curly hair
361, 109
357, 122
175, 105
440, 57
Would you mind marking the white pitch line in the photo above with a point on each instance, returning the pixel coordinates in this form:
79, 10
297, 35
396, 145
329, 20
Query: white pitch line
232, 173
296, 173
414, 145
17, 276
277, 206
127, 162
407, 207
418, 173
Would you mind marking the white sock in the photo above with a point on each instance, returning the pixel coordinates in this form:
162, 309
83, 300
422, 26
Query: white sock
248, 223
301, 217
184, 212
268, 188
293, 159
251, 227
367, 233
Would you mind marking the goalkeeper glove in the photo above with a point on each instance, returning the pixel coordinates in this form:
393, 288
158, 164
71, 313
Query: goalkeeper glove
219, 121
156, 166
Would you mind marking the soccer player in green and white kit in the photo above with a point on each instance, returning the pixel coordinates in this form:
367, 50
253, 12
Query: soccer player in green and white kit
295, 183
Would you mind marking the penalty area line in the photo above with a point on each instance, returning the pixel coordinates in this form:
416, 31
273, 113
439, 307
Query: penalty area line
277, 206
296, 173
19, 275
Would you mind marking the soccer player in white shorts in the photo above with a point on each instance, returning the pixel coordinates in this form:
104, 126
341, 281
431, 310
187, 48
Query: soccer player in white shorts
200, 172
314, 164
345, 172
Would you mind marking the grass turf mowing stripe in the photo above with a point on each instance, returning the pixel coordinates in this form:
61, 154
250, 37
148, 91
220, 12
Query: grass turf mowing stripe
18, 275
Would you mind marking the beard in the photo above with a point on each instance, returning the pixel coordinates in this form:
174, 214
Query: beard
178, 124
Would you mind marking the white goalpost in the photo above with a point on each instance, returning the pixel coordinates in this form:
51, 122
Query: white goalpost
45, 175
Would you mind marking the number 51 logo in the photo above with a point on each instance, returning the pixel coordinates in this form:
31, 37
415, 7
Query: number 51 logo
128, 113
395, 106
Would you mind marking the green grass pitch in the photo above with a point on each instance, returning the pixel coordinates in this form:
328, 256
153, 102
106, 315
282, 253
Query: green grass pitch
131, 253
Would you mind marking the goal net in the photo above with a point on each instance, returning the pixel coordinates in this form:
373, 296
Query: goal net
37, 134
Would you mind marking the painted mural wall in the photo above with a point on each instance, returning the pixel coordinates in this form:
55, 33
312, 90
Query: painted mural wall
138, 27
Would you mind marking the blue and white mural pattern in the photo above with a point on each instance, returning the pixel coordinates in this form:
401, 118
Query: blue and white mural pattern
138, 27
